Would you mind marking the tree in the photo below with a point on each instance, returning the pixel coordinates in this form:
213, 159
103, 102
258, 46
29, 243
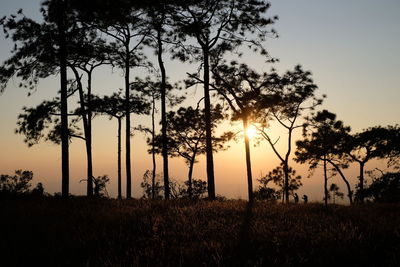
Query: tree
218, 26
187, 136
153, 91
296, 93
152, 188
38, 56
278, 177
39, 49
265, 192
384, 188
15, 184
114, 107
159, 18
322, 134
87, 52
334, 192
123, 21
242, 87
372, 143
100, 186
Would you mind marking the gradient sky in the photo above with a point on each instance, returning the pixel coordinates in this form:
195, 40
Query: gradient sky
350, 46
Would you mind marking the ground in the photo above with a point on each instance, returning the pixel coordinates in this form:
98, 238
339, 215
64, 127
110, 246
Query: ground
101, 232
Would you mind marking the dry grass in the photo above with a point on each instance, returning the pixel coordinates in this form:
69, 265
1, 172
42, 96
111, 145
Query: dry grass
80, 232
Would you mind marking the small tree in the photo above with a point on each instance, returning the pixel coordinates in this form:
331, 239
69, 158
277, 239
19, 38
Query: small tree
100, 186
278, 177
15, 184
152, 188
265, 192
334, 193
384, 188
197, 189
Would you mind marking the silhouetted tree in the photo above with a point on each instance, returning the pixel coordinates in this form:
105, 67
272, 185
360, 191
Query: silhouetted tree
265, 192
322, 134
87, 52
38, 56
124, 22
114, 107
177, 190
152, 90
295, 90
187, 136
218, 26
372, 143
152, 188
43, 122
38, 190
384, 188
334, 192
40, 51
100, 185
278, 177
241, 87
159, 20
15, 184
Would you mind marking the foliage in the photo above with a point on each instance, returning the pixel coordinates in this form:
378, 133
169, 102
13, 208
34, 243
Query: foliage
384, 188
146, 184
221, 26
16, 184
19, 184
100, 184
334, 192
178, 190
266, 193
322, 133
198, 191
43, 122
277, 177
186, 133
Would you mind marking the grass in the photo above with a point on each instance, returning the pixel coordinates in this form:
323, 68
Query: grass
81, 232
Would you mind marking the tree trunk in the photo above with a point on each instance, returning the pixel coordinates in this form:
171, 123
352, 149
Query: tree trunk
325, 184
119, 159
64, 102
153, 152
286, 166
207, 111
86, 132
248, 161
163, 116
286, 183
361, 185
88, 138
190, 175
127, 125
349, 192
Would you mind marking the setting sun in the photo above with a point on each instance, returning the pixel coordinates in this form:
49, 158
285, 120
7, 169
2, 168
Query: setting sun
251, 132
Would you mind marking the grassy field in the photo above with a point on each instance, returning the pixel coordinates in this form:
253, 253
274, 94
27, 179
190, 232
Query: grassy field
80, 232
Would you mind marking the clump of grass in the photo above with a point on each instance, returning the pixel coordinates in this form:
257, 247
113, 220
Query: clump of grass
80, 232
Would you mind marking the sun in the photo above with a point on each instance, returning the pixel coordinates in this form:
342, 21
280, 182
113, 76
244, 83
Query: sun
251, 132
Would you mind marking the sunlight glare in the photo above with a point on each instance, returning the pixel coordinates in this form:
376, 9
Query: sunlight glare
251, 132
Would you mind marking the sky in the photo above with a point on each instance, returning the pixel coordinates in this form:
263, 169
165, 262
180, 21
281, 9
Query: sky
351, 48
